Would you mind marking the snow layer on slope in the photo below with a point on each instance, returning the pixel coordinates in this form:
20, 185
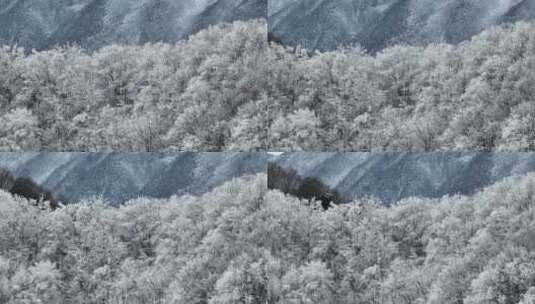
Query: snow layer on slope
326, 24
393, 176
38, 166
42, 24
118, 177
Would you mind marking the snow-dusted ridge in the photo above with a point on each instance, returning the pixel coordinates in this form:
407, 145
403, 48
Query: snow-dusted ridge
94, 23
117, 177
327, 24
394, 176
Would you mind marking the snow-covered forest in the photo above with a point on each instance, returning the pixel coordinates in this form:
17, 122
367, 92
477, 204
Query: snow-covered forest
195, 95
227, 88
241, 243
474, 96
268, 227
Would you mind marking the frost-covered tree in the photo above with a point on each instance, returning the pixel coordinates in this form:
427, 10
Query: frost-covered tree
19, 131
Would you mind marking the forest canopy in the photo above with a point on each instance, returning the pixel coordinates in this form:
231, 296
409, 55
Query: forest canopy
228, 88
242, 243
157, 97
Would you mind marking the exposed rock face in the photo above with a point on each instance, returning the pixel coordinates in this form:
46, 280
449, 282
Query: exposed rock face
42, 24
376, 24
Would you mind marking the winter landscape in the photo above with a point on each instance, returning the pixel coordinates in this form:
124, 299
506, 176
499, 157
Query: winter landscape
241, 242
134, 163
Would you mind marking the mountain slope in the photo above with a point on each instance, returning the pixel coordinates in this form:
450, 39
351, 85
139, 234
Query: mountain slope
326, 24
393, 176
118, 177
41, 24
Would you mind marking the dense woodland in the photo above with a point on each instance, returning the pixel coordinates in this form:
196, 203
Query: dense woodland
474, 96
242, 243
228, 88
194, 95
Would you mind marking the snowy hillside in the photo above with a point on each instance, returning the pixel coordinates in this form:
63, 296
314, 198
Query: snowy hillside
394, 176
326, 24
118, 177
42, 24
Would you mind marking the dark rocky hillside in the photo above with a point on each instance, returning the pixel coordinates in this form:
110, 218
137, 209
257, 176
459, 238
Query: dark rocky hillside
27, 188
288, 181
